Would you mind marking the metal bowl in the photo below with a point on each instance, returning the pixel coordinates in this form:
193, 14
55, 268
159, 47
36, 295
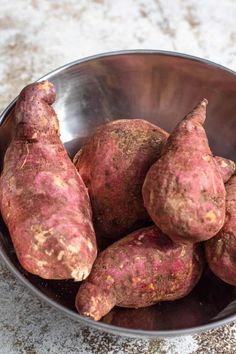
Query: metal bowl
160, 87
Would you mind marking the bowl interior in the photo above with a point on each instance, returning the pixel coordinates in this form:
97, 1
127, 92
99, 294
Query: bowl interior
160, 88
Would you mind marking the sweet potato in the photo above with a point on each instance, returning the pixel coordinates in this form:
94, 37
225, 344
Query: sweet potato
209, 299
226, 166
43, 200
139, 270
183, 191
221, 249
113, 164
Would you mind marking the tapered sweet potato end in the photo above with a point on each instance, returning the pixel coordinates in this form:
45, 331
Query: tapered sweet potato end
44, 90
93, 301
198, 114
33, 112
226, 167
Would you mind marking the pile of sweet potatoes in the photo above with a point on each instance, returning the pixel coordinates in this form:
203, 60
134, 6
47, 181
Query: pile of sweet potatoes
162, 198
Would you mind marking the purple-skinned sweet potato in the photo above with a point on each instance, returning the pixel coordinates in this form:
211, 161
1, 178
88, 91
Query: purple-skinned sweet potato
226, 166
221, 249
184, 191
139, 270
43, 199
113, 164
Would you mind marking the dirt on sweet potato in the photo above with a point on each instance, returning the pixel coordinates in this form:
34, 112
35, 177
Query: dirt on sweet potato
221, 249
113, 164
139, 270
43, 199
184, 191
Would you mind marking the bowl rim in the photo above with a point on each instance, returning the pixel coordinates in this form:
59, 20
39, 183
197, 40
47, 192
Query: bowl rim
116, 330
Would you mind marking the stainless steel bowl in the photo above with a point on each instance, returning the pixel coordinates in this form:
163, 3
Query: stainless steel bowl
160, 87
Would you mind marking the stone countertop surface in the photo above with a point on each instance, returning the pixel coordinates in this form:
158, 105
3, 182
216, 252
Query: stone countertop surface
37, 36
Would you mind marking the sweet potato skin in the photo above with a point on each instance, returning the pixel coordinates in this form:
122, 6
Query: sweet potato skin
43, 200
183, 191
226, 166
221, 249
139, 270
113, 164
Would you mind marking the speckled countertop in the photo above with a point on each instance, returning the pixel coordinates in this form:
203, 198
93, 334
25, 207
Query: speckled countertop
37, 36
